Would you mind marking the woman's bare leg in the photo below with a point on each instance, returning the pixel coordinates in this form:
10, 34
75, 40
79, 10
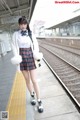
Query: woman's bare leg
35, 83
36, 88
27, 79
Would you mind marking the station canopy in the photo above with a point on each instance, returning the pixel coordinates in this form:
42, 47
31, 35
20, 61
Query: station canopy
11, 10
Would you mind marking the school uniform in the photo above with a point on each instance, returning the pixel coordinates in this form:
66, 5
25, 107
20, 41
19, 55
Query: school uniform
22, 45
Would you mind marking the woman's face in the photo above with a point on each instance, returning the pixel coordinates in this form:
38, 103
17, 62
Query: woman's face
23, 26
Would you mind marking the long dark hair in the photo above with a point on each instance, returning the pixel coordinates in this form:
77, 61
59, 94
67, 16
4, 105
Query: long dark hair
23, 20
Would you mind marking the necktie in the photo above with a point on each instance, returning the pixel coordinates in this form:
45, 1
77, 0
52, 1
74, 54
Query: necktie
23, 33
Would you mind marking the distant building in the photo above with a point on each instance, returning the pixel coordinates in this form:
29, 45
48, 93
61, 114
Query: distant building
38, 28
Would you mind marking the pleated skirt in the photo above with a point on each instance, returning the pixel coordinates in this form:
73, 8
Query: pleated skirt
28, 62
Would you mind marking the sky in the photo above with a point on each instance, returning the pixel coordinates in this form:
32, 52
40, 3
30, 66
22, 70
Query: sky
52, 13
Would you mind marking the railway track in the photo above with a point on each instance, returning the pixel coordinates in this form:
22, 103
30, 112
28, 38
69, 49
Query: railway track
70, 56
67, 74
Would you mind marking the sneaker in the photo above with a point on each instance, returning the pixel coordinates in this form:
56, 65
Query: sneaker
40, 107
33, 100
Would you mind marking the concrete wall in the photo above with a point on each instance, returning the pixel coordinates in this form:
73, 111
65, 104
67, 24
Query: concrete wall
66, 41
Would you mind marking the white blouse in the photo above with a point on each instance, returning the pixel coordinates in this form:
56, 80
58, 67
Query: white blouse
24, 41
19, 41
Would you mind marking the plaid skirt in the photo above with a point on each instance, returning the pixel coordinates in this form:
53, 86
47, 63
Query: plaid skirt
28, 62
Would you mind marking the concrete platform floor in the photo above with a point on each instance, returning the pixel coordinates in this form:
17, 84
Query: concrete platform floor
57, 104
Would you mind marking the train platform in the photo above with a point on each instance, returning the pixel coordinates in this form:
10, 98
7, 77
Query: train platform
15, 98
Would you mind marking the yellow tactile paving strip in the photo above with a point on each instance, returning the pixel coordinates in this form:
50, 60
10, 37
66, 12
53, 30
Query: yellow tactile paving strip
17, 102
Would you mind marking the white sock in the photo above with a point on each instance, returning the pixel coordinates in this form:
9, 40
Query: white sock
38, 100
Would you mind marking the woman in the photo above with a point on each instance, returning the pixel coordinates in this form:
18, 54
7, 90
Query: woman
22, 39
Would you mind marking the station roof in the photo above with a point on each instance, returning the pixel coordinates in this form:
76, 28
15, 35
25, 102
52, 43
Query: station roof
11, 10
66, 22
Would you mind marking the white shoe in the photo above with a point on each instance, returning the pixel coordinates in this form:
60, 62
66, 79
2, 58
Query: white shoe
40, 107
33, 100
